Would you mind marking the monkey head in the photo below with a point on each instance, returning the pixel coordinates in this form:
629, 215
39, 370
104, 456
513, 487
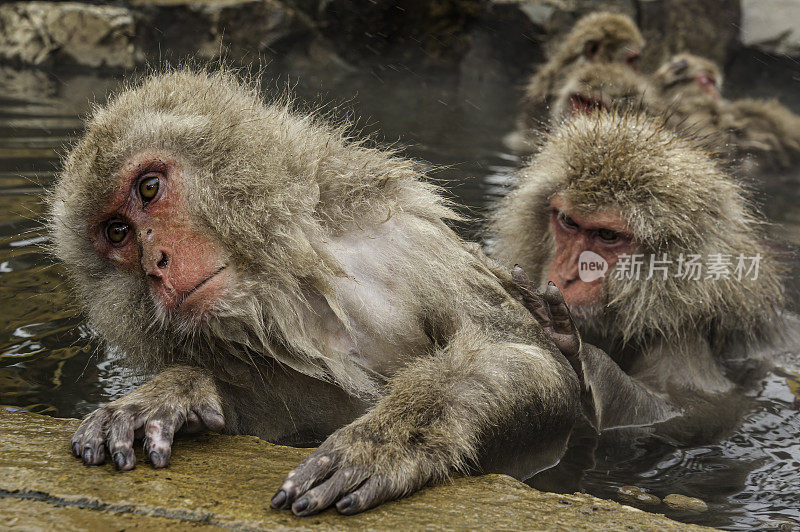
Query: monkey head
603, 86
688, 75
602, 38
181, 208
612, 185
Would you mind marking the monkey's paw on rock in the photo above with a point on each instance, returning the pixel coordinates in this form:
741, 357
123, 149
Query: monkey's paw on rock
216, 481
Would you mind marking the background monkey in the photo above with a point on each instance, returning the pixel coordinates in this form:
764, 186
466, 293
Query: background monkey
758, 135
660, 353
294, 285
604, 86
599, 37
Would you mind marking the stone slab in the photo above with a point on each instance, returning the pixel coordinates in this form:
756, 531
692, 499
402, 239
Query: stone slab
226, 481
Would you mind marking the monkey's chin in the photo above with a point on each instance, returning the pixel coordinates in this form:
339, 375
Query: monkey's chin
201, 302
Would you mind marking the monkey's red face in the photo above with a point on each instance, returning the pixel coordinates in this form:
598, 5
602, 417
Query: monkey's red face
145, 230
707, 83
604, 233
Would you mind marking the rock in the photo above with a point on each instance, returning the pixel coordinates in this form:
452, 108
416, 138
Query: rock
772, 26
636, 494
704, 27
226, 481
67, 33
427, 32
72, 33
684, 503
242, 30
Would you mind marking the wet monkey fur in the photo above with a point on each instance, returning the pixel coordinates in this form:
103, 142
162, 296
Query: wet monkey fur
660, 355
284, 281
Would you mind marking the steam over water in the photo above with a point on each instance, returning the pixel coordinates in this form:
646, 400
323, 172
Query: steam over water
50, 364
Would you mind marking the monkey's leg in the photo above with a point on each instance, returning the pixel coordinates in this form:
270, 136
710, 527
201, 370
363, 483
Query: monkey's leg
180, 398
438, 411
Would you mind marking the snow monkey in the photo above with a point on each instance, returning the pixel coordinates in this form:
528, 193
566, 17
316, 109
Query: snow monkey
599, 37
659, 342
604, 86
287, 282
689, 87
758, 135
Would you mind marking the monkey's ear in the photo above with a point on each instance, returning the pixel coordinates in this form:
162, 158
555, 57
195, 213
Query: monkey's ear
591, 48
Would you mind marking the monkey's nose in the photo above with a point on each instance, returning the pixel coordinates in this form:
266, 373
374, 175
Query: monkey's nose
155, 263
163, 261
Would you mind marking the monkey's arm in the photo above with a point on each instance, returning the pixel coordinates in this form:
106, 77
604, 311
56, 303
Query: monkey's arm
610, 397
432, 422
180, 398
614, 399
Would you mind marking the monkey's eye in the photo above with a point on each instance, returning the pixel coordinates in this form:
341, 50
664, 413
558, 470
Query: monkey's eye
148, 188
632, 60
116, 232
607, 235
567, 221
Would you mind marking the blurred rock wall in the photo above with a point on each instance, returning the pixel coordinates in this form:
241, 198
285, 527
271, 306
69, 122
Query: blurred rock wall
478, 38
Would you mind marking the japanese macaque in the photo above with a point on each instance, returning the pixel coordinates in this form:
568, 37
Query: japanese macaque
765, 133
596, 38
605, 86
290, 283
659, 342
757, 135
689, 87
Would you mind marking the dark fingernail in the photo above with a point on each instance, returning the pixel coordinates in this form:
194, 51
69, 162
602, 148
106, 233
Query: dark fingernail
551, 283
344, 503
87, 456
155, 458
300, 505
76, 449
278, 500
119, 459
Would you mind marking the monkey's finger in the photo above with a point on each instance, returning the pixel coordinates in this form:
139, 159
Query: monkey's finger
376, 490
312, 470
326, 493
159, 432
202, 418
532, 299
211, 416
120, 439
520, 277
89, 440
559, 311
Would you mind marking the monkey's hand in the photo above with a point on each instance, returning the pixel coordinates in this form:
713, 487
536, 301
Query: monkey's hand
180, 399
552, 313
358, 467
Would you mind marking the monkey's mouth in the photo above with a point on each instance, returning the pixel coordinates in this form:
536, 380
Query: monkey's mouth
198, 286
585, 104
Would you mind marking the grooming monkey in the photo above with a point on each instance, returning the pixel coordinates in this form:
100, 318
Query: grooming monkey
661, 351
759, 135
596, 38
289, 283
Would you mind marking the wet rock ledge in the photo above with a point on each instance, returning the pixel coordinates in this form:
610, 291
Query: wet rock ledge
225, 482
